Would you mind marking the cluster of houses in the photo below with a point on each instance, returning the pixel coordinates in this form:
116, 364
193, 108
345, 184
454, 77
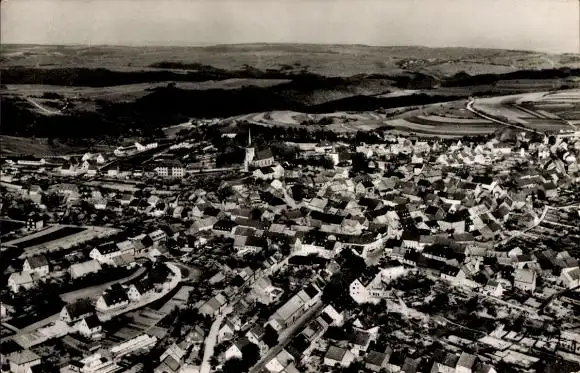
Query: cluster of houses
439, 208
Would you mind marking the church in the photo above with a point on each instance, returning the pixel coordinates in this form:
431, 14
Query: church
257, 159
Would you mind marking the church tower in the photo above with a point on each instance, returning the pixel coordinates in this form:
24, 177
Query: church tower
250, 152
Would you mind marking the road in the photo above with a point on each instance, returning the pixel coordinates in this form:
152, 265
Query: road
43, 109
470, 107
209, 343
286, 336
518, 233
94, 292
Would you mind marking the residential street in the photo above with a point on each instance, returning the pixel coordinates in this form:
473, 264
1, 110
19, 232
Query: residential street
287, 335
210, 342
94, 292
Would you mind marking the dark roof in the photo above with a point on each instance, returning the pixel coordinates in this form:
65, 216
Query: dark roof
37, 261
143, 286
311, 291
224, 225
115, 295
107, 248
79, 308
263, 154
92, 321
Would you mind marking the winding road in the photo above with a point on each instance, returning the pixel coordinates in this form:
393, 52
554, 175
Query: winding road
483, 115
44, 109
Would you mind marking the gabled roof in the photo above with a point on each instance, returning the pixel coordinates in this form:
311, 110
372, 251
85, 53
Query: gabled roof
23, 357
79, 308
92, 321
37, 261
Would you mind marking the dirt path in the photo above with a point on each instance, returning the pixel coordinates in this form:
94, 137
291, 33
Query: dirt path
44, 109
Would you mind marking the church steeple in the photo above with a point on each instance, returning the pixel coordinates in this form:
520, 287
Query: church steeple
249, 137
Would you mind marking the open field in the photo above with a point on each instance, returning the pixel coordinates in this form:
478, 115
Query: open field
57, 237
24, 145
339, 60
542, 111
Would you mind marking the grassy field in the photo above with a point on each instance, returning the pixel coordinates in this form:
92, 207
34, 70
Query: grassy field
339, 60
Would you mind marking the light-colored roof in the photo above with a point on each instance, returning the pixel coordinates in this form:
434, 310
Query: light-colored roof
525, 275
81, 269
466, 360
21, 278
23, 357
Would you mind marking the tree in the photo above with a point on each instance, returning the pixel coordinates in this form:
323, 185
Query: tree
232, 366
250, 355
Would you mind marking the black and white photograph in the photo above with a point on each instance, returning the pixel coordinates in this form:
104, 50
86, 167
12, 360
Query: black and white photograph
290, 186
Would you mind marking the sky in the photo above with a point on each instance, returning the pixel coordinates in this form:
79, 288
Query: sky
542, 25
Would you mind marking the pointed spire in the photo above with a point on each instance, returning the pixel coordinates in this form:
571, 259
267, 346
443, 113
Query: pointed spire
249, 137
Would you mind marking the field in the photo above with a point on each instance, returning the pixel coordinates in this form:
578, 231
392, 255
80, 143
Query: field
57, 237
330, 60
541, 111
7, 226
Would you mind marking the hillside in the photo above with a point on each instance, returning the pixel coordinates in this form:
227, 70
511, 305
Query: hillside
48, 90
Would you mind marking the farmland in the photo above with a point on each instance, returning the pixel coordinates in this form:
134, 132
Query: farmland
336, 60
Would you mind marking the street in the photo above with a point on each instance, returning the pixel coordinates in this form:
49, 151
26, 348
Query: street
94, 292
287, 335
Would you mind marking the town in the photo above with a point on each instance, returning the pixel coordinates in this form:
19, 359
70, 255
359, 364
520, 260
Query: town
245, 248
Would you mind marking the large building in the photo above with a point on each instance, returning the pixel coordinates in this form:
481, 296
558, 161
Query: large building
171, 169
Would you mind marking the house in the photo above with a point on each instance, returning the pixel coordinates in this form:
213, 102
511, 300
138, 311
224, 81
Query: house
20, 362
36, 264
235, 350
158, 236
226, 332
256, 336
74, 312
171, 359
493, 288
139, 289
337, 356
570, 277
213, 306
466, 363
105, 253
78, 270
113, 298
295, 307
377, 361
19, 280
525, 279
282, 363
89, 327
34, 223
331, 316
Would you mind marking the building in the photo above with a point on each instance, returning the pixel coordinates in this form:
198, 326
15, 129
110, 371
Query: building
77, 311
34, 223
79, 270
139, 289
295, 307
105, 253
570, 277
170, 169
466, 363
36, 264
525, 279
376, 361
89, 327
20, 280
336, 356
235, 350
20, 362
113, 298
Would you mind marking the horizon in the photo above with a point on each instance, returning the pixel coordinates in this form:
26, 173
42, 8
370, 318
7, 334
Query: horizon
549, 26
